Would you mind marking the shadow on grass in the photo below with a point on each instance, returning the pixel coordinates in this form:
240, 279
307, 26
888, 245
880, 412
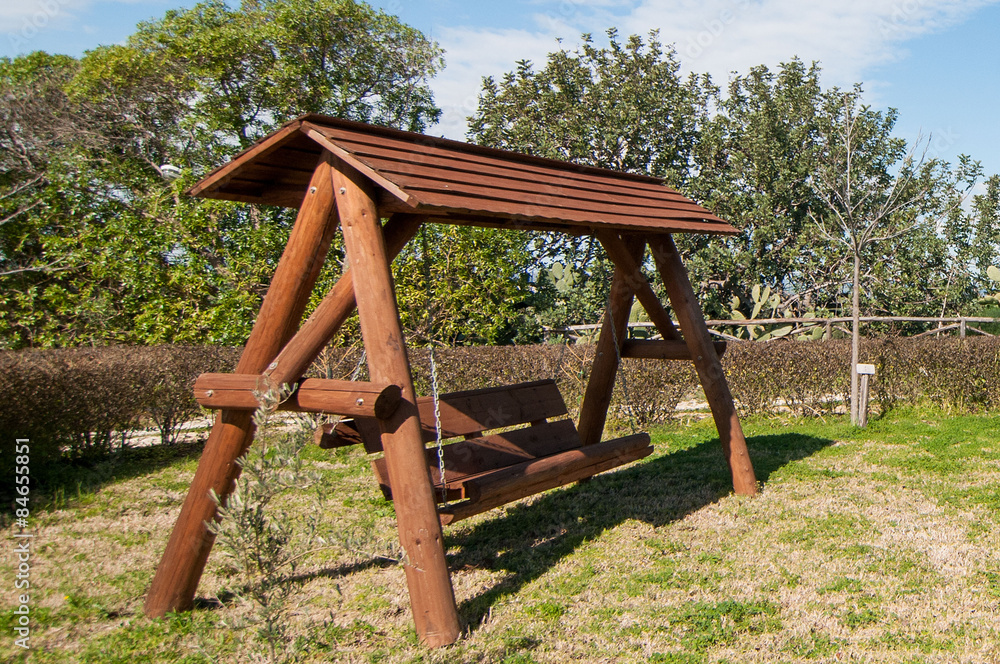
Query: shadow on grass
531, 538
61, 483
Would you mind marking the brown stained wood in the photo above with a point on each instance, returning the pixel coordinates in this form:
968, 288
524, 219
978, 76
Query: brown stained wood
335, 308
176, 580
491, 408
313, 395
387, 185
466, 217
534, 207
437, 176
469, 412
651, 349
431, 596
396, 160
286, 199
349, 398
366, 141
224, 173
408, 175
614, 329
445, 193
706, 361
619, 254
528, 478
466, 458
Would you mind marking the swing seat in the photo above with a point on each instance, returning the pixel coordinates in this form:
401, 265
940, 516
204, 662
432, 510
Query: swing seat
482, 470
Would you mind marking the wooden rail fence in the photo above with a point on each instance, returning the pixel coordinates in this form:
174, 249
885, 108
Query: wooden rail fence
963, 324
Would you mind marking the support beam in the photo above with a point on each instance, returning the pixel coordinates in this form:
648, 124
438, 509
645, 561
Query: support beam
313, 395
619, 254
651, 349
706, 361
183, 561
431, 596
597, 398
334, 309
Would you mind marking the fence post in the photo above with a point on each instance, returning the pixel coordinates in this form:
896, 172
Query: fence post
961, 329
865, 371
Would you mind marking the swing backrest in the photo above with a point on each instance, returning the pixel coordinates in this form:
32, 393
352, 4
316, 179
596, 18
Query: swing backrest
469, 415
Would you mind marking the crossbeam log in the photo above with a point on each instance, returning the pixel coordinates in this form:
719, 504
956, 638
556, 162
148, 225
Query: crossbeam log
313, 395
653, 349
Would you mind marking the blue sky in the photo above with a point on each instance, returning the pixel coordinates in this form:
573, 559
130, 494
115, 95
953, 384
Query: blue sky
935, 60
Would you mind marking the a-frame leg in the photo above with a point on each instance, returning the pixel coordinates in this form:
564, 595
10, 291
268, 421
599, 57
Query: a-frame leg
706, 361
597, 398
431, 596
183, 561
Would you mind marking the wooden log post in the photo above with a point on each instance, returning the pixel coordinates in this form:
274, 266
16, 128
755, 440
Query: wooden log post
183, 561
431, 596
706, 361
597, 398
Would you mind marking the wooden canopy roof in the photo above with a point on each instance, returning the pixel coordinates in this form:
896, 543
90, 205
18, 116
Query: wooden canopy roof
454, 182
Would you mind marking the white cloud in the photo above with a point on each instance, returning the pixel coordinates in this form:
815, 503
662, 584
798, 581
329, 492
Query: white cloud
470, 55
847, 37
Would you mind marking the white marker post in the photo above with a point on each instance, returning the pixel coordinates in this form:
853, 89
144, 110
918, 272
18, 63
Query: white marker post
866, 371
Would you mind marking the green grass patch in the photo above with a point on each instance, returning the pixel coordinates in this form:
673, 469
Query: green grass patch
706, 625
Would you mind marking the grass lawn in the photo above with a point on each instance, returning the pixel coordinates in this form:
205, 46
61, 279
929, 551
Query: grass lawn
880, 545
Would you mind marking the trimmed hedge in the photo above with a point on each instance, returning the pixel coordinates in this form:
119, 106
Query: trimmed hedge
83, 403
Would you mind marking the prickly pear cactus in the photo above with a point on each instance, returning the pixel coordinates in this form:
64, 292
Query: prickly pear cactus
993, 272
562, 277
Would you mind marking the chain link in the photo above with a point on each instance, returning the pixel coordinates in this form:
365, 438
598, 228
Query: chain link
437, 426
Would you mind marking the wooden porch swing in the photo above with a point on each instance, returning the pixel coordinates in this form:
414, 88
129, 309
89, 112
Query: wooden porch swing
351, 175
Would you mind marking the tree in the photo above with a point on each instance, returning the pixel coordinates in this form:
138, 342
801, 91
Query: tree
875, 189
624, 107
754, 159
96, 246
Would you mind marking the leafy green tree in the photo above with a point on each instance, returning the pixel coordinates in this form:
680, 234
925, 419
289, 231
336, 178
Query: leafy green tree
755, 157
624, 106
465, 285
96, 245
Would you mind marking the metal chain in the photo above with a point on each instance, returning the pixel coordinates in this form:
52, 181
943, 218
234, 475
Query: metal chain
437, 426
435, 392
